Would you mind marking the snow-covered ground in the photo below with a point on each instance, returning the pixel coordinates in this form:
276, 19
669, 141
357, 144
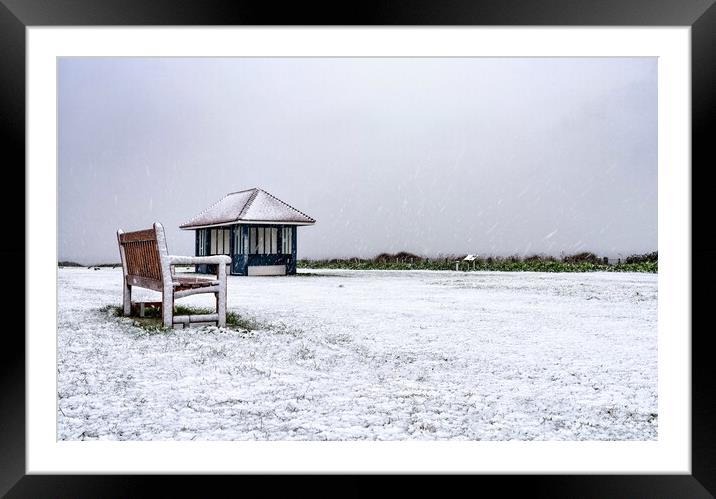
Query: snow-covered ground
369, 355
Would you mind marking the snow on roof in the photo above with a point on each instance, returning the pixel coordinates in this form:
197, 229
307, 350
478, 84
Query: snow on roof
249, 206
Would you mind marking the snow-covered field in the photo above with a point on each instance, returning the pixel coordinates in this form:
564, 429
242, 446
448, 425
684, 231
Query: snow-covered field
368, 355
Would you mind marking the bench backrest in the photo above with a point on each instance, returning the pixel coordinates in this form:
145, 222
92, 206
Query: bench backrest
142, 255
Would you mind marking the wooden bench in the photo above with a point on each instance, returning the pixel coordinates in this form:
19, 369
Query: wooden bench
147, 264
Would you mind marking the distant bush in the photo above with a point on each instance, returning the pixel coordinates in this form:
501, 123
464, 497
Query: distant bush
405, 256
383, 258
580, 262
69, 264
402, 257
646, 257
584, 257
540, 258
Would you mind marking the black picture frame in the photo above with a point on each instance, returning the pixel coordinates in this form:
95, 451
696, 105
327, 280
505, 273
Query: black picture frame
700, 15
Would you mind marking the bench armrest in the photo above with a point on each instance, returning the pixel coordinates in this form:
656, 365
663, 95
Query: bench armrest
197, 260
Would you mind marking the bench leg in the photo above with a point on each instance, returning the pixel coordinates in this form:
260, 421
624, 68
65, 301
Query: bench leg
221, 308
127, 299
221, 296
168, 309
216, 301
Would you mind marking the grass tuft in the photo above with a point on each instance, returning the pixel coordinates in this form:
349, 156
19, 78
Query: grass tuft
152, 320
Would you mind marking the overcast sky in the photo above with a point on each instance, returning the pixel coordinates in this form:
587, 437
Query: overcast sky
434, 156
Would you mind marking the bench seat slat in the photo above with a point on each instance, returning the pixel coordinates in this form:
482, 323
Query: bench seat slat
144, 282
193, 282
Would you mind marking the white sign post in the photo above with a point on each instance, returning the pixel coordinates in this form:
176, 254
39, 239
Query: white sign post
470, 258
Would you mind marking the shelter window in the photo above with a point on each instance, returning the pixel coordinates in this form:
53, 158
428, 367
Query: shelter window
263, 240
260, 248
272, 239
220, 241
201, 234
287, 240
253, 244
